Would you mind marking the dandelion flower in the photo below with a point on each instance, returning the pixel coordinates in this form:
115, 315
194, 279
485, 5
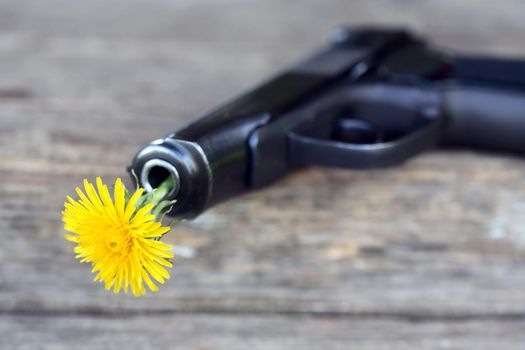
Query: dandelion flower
119, 237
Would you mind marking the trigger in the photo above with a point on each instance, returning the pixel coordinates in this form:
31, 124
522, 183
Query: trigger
356, 131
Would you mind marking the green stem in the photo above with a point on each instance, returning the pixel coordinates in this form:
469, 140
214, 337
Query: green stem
162, 191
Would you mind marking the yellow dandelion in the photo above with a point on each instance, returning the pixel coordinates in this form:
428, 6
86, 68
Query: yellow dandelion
119, 237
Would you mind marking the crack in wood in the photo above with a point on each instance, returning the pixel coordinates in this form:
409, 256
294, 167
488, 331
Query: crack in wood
408, 316
15, 93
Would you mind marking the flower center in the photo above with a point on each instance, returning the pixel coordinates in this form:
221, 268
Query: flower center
120, 241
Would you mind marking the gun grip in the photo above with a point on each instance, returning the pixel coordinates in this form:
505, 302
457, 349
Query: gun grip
484, 118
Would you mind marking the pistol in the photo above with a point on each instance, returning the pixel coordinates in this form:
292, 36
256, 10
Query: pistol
374, 97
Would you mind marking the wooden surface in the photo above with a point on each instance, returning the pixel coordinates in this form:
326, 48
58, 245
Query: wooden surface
430, 255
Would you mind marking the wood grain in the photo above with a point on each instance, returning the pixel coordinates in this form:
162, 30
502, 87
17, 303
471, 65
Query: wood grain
428, 255
191, 331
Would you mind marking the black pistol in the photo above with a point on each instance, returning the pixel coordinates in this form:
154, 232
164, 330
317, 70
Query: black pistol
372, 98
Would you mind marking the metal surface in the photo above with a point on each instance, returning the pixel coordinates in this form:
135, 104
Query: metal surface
155, 171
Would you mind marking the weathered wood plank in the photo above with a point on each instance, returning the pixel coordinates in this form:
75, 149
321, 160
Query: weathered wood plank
251, 332
371, 242
440, 240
